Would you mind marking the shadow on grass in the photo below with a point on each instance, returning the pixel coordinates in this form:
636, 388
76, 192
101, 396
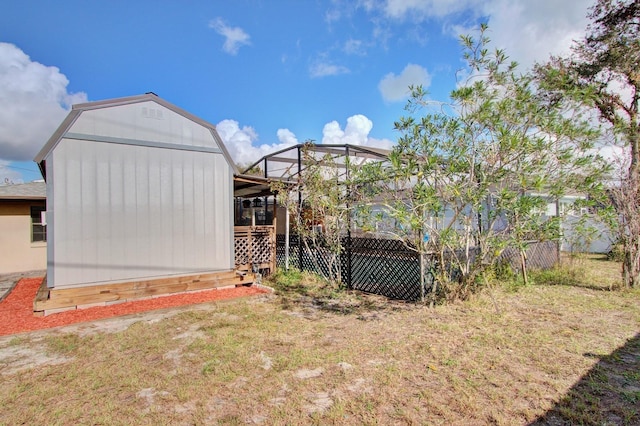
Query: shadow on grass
306, 291
608, 394
348, 302
601, 258
594, 287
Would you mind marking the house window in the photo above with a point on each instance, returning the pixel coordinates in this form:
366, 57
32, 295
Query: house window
38, 229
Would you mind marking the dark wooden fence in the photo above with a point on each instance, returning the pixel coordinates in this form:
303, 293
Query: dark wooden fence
388, 267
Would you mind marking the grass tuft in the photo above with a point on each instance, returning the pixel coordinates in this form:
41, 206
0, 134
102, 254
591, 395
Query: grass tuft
64, 344
559, 275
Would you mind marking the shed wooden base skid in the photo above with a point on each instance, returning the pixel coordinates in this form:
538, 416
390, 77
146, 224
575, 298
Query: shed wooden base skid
49, 301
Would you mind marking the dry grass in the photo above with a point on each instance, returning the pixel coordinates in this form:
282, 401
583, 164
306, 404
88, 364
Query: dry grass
313, 355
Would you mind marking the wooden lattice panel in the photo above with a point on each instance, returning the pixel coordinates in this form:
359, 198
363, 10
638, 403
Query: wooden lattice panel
241, 250
255, 246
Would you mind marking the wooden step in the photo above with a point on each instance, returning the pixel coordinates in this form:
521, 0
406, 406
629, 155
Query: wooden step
71, 298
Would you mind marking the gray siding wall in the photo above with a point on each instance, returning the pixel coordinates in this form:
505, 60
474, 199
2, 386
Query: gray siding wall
122, 212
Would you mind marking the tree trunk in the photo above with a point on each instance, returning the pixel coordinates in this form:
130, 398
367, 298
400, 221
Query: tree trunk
631, 209
523, 266
422, 277
631, 262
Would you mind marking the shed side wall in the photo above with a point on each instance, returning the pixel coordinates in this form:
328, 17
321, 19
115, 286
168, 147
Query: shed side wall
125, 212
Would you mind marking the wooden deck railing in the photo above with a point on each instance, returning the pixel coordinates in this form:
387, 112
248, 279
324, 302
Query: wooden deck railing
255, 248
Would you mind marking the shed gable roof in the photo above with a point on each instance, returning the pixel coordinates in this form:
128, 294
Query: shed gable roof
78, 109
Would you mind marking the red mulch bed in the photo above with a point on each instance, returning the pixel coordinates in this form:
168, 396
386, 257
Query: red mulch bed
16, 310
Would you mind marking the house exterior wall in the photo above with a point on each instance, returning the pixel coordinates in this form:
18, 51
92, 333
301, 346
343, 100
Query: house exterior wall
598, 238
137, 192
19, 254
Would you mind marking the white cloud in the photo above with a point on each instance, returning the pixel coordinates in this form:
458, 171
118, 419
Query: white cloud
528, 30
241, 142
287, 137
614, 154
332, 16
7, 175
420, 9
531, 31
324, 69
356, 132
396, 87
34, 101
235, 37
354, 47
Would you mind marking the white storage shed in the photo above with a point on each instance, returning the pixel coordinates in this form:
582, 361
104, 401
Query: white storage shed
137, 189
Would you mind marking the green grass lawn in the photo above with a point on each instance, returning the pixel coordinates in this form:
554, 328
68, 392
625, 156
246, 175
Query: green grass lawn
563, 350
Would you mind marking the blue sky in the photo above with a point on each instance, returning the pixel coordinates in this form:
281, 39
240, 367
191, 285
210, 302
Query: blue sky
267, 73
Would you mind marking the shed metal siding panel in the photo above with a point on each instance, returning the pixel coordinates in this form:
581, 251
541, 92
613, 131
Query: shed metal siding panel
144, 121
126, 212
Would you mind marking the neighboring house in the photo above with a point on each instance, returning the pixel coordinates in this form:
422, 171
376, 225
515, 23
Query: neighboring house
586, 235
580, 231
138, 190
23, 238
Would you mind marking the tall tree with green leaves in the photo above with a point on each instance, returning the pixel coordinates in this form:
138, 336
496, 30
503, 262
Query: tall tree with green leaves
603, 74
474, 175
